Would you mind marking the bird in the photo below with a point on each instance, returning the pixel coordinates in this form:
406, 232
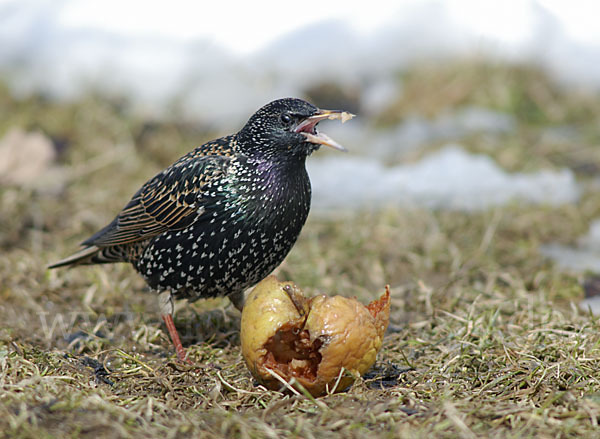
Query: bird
223, 216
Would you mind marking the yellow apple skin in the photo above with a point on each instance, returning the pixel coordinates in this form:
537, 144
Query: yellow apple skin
310, 341
267, 308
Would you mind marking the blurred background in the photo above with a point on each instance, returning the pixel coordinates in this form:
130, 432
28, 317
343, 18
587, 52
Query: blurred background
420, 75
463, 105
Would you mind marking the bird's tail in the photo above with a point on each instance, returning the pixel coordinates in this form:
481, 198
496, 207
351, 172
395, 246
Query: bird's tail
88, 255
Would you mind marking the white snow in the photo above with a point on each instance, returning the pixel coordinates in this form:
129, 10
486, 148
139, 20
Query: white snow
416, 131
584, 256
450, 178
222, 64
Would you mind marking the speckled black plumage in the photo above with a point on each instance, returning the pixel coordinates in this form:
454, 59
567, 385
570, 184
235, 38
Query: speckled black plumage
223, 216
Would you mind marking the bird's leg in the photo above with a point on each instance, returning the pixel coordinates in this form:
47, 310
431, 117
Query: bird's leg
238, 299
166, 312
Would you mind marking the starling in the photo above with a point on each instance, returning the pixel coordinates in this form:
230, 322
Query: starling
223, 216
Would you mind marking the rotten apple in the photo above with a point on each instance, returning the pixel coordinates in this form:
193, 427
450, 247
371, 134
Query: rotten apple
323, 343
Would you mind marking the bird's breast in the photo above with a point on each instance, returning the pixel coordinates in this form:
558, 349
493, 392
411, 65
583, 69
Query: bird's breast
267, 193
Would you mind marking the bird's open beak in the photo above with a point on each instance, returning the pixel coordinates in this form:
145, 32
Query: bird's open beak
308, 125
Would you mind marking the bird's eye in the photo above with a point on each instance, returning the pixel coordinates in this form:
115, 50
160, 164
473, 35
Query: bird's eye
286, 118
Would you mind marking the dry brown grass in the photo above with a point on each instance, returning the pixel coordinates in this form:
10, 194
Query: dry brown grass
484, 340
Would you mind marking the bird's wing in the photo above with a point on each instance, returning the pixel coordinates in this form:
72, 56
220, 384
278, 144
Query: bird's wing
172, 200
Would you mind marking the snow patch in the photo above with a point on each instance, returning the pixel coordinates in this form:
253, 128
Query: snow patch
448, 179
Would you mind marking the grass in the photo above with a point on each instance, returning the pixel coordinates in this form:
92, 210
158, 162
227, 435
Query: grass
485, 338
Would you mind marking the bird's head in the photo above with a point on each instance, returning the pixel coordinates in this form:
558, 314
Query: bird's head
288, 128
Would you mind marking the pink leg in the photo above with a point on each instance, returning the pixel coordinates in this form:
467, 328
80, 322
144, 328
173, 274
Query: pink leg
181, 355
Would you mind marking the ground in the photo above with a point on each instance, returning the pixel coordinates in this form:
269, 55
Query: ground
486, 338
